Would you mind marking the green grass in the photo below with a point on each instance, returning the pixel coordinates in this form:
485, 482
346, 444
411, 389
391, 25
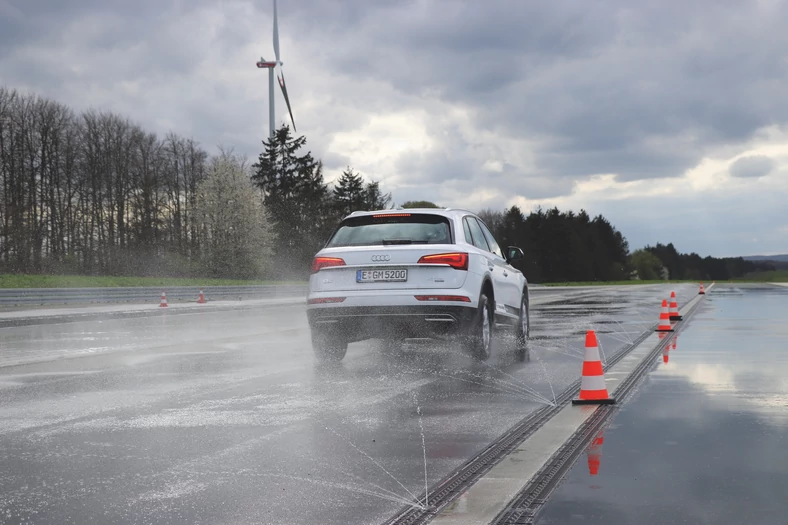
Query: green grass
778, 276
83, 281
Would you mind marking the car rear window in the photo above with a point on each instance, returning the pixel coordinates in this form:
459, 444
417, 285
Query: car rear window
394, 228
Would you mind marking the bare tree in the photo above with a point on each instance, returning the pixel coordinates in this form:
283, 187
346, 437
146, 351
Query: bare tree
492, 218
95, 193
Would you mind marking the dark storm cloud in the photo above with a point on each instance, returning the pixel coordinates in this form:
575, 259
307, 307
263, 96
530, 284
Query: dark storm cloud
335, 161
641, 90
460, 49
42, 19
752, 166
143, 29
439, 166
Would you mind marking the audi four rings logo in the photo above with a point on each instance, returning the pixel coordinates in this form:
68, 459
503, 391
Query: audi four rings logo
381, 258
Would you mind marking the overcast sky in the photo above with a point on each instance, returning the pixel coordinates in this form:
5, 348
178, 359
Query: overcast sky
670, 118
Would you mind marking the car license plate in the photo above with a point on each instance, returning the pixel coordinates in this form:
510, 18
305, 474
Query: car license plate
381, 276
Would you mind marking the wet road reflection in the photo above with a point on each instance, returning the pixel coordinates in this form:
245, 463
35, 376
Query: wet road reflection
223, 417
704, 439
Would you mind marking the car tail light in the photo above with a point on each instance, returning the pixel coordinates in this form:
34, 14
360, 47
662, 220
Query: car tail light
458, 298
386, 215
458, 261
325, 300
318, 263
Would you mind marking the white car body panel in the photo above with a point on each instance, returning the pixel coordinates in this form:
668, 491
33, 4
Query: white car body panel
339, 282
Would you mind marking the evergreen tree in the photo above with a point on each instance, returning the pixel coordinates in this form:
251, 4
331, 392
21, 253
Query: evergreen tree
419, 204
374, 198
613, 251
670, 258
349, 193
295, 196
561, 246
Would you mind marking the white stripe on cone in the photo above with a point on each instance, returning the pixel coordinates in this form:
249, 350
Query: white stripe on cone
674, 308
664, 318
593, 383
592, 353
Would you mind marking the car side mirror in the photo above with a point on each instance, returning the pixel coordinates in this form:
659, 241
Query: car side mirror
513, 253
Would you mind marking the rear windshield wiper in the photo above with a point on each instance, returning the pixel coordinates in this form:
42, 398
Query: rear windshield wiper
387, 242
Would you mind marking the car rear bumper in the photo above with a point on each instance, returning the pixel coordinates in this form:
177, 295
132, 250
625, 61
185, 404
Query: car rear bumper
402, 322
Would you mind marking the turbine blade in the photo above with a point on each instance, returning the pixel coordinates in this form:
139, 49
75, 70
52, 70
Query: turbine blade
276, 33
281, 78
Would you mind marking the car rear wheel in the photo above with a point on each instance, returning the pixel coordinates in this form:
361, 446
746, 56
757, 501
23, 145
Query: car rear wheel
523, 330
328, 348
481, 333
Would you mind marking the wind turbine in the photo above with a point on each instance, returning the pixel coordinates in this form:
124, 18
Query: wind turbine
276, 64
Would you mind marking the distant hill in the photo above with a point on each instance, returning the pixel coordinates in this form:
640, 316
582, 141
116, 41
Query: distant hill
783, 257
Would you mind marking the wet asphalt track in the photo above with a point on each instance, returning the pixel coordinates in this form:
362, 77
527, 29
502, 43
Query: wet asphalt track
703, 441
223, 416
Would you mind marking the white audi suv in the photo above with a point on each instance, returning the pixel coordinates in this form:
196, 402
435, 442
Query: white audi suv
415, 273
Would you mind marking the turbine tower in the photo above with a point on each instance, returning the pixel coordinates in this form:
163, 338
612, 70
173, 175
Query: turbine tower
270, 66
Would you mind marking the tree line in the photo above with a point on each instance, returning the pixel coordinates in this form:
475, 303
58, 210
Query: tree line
566, 247
94, 193
664, 261
562, 246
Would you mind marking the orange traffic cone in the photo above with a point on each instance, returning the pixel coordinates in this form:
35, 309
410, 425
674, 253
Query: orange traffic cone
592, 383
675, 338
674, 308
594, 453
666, 350
163, 303
664, 318
702, 291
201, 299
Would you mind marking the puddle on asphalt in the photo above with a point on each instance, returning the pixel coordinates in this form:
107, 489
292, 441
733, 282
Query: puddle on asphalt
703, 439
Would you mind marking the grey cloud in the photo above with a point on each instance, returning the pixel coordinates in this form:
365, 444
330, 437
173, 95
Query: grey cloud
438, 167
10, 11
633, 163
642, 89
602, 81
752, 166
723, 224
45, 19
334, 161
597, 82
459, 49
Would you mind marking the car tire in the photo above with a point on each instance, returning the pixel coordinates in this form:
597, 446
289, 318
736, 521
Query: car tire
523, 330
480, 337
328, 348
